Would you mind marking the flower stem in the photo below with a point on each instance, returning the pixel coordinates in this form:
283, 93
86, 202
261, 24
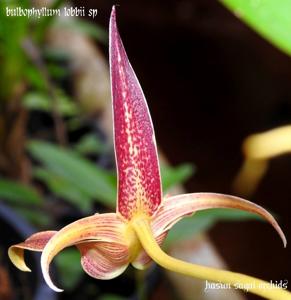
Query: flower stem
237, 280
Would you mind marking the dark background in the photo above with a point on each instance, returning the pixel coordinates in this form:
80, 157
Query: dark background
210, 81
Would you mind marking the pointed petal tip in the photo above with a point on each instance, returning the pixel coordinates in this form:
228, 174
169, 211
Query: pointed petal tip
113, 34
284, 241
46, 276
112, 19
113, 12
281, 234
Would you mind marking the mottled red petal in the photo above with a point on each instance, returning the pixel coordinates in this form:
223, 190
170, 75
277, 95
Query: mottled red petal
175, 208
36, 242
139, 185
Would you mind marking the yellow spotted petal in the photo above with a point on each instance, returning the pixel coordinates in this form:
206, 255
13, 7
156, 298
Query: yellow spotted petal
139, 182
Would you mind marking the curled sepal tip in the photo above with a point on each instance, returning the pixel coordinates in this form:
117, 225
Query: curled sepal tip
36, 242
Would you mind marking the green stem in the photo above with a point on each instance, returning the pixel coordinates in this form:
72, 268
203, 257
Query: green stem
256, 286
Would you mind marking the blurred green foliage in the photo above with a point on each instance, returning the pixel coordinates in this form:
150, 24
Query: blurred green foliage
90, 144
68, 262
12, 57
203, 220
90, 181
270, 18
14, 192
70, 175
42, 102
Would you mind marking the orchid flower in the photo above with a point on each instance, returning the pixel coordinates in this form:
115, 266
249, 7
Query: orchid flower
258, 149
109, 242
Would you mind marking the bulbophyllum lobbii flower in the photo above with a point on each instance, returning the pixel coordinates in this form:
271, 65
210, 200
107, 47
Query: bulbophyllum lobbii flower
109, 242
258, 149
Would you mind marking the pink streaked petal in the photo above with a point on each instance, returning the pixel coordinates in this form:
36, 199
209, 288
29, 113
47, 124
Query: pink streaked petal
175, 208
36, 242
142, 261
99, 228
139, 184
104, 261
116, 251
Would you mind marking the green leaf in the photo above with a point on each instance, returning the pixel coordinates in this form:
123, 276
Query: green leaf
79, 172
35, 77
90, 144
37, 101
37, 218
203, 220
172, 176
41, 101
226, 214
270, 18
55, 54
188, 227
18, 193
63, 188
69, 268
56, 71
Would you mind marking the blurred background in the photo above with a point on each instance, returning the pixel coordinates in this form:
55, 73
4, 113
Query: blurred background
210, 81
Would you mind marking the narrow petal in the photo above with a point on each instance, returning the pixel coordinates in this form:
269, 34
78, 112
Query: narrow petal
268, 144
36, 242
99, 228
249, 176
174, 208
258, 149
139, 184
256, 286
98, 263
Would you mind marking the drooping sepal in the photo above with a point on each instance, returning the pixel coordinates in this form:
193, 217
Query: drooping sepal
88, 234
175, 208
99, 238
139, 184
